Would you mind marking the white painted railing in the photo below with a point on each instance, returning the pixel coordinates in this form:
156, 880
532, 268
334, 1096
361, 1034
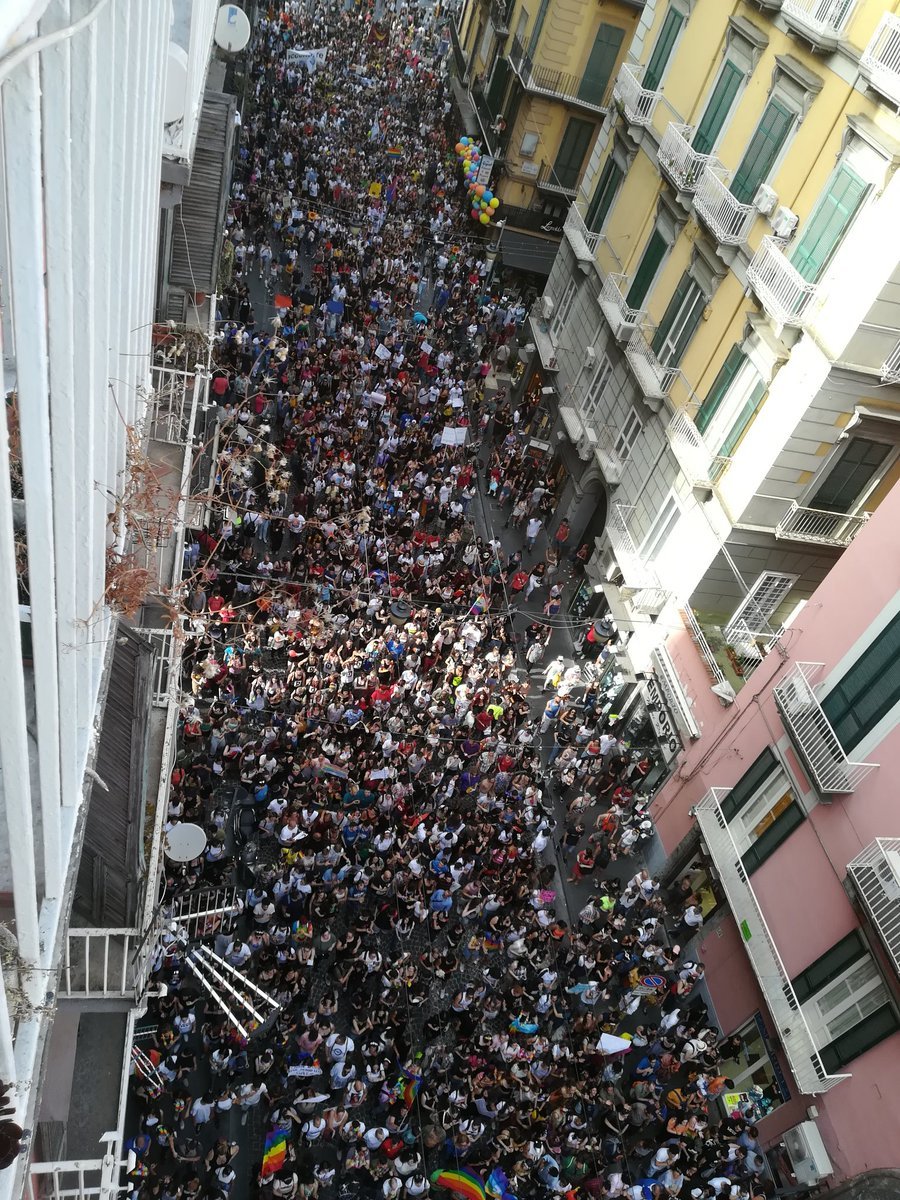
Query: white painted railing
582, 241
78, 1179
635, 572
679, 159
698, 637
812, 733
603, 439
890, 369
622, 318
654, 378
99, 963
880, 61
638, 103
696, 460
792, 1029
876, 875
819, 526
820, 20
728, 219
783, 292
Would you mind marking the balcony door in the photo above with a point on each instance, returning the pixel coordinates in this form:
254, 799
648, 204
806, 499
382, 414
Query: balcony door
601, 64
572, 150
850, 479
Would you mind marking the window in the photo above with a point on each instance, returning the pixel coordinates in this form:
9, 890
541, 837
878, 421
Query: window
764, 598
529, 144
651, 260
629, 434
662, 51
744, 419
563, 309
600, 64
679, 322
845, 1002
717, 108
828, 223
538, 26
521, 26
869, 689
851, 476
666, 520
598, 209
722, 382
572, 149
762, 811
765, 146
594, 392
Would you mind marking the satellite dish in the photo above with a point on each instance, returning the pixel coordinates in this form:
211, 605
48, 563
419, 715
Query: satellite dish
232, 28
176, 85
184, 843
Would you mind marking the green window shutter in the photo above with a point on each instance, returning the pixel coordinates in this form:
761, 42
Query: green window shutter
745, 417
672, 311
722, 382
765, 146
599, 69
851, 475
572, 149
829, 965
497, 89
718, 108
662, 50
868, 691
769, 841
681, 319
826, 226
604, 194
749, 784
654, 253
862, 1037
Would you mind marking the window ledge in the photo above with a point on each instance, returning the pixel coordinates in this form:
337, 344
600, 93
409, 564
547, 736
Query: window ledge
749, 32
882, 143
808, 80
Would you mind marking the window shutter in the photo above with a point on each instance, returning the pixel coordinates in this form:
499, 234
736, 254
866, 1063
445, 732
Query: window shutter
719, 390
718, 108
744, 418
604, 195
868, 691
497, 89
826, 226
572, 150
599, 69
851, 475
654, 253
679, 322
672, 311
765, 145
662, 50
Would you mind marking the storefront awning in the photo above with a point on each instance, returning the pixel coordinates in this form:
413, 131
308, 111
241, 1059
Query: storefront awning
525, 252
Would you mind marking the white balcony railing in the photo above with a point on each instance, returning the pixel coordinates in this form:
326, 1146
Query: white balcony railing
698, 637
635, 572
603, 438
890, 369
622, 318
812, 733
822, 21
818, 526
782, 291
792, 1030
880, 61
654, 378
696, 460
583, 242
728, 219
79, 1179
638, 103
678, 158
876, 875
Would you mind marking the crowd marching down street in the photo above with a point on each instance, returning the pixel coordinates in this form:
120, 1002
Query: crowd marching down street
363, 735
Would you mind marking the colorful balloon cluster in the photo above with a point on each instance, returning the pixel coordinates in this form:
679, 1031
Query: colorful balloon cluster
484, 202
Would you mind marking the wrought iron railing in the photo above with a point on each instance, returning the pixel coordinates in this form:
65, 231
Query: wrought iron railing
817, 525
880, 61
783, 292
561, 85
876, 875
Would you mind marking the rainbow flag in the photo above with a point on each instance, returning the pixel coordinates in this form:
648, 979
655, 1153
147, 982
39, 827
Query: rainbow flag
409, 1085
394, 152
482, 604
275, 1152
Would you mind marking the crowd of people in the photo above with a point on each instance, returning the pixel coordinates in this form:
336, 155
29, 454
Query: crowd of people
356, 678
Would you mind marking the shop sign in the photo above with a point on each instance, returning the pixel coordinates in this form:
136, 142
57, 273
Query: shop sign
661, 719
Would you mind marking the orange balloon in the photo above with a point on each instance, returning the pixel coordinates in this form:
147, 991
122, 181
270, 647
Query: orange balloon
479, 189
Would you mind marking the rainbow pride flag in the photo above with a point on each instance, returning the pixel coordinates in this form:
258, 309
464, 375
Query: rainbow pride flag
275, 1152
394, 152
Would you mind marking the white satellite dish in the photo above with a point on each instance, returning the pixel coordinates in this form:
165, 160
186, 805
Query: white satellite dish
232, 28
176, 85
184, 843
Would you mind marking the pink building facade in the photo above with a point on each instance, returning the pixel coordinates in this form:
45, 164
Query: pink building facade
784, 814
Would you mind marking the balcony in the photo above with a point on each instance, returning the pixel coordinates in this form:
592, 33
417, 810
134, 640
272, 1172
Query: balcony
820, 22
678, 158
654, 378
603, 440
487, 119
729, 220
623, 320
647, 595
890, 368
876, 876
704, 649
880, 62
792, 1030
540, 332
637, 103
811, 732
780, 288
500, 18
583, 242
549, 181
818, 526
557, 85
699, 464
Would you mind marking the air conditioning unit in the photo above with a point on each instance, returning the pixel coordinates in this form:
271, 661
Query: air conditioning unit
765, 199
591, 355
547, 305
807, 1153
784, 222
